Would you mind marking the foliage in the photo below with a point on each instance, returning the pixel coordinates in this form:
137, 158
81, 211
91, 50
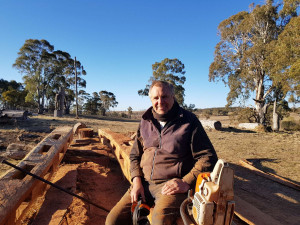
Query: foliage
207, 114
290, 125
12, 94
190, 107
108, 100
93, 104
244, 58
282, 109
246, 115
129, 112
45, 70
172, 71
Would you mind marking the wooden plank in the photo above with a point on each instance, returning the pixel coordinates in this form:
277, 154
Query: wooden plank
270, 176
252, 215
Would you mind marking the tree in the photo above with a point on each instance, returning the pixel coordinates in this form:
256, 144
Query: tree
129, 112
242, 57
93, 104
172, 71
108, 99
45, 70
65, 77
12, 94
33, 60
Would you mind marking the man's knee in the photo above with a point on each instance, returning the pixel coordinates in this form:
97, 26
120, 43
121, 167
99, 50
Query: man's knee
120, 214
164, 216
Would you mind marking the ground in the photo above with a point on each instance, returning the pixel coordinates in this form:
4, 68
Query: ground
100, 179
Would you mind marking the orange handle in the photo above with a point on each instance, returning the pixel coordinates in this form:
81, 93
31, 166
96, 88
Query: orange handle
200, 177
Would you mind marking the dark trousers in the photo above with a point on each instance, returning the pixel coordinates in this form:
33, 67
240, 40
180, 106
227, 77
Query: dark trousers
165, 211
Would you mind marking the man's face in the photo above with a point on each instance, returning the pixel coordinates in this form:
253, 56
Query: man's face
162, 99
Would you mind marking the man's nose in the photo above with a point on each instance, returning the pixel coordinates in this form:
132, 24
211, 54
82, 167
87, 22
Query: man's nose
159, 100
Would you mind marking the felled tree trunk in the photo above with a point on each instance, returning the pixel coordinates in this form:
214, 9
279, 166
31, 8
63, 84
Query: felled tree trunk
249, 126
212, 124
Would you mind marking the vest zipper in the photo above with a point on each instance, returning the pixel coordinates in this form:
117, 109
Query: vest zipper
155, 154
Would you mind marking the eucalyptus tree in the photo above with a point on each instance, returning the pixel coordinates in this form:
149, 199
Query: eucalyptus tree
93, 103
45, 70
108, 100
65, 77
242, 57
172, 71
32, 61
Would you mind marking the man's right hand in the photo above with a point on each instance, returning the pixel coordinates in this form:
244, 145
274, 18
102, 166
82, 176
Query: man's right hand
137, 189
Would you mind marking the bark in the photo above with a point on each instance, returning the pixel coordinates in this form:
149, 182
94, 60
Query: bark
276, 124
261, 109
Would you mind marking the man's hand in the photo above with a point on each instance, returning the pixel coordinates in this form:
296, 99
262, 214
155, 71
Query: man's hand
137, 189
175, 186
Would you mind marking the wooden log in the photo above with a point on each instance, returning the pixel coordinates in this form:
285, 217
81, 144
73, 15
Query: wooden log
18, 190
249, 126
16, 114
120, 146
85, 133
270, 176
211, 124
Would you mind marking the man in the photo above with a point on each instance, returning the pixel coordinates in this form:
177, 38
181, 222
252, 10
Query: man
170, 150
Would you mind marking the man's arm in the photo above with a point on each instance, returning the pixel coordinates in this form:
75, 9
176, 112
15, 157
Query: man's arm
135, 169
203, 152
205, 158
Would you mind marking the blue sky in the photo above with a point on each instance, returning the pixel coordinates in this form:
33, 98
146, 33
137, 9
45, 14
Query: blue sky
117, 41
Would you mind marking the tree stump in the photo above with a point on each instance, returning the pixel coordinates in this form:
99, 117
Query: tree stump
85, 133
77, 127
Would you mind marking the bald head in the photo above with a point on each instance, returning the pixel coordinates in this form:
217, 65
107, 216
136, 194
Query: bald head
161, 94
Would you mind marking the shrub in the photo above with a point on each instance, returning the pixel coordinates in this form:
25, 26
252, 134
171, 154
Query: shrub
246, 115
290, 125
124, 115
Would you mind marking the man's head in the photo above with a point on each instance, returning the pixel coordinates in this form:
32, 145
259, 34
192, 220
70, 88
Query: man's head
162, 96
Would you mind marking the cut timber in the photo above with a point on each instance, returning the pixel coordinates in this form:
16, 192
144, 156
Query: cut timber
249, 126
16, 114
120, 146
19, 191
85, 132
270, 176
212, 124
252, 215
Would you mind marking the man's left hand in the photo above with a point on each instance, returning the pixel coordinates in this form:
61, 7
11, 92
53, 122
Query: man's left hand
175, 186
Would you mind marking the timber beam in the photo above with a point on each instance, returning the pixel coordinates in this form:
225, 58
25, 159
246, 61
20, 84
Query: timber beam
19, 191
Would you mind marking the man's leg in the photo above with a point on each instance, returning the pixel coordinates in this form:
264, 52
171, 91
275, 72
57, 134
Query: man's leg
121, 212
167, 207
